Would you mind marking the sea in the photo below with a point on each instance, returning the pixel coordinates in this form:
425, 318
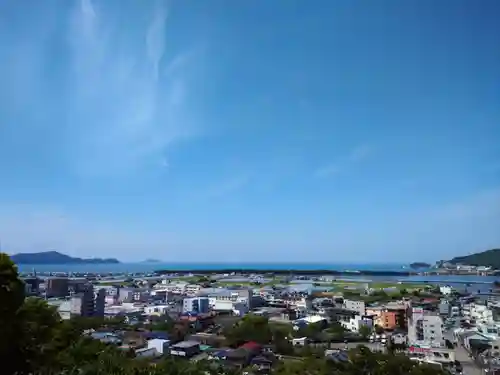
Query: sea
473, 282
145, 267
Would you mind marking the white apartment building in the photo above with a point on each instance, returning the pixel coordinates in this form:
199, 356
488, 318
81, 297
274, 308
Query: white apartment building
192, 289
156, 310
224, 299
425, 328
175, 288
355, 305
126, 295
356, 322
480, 313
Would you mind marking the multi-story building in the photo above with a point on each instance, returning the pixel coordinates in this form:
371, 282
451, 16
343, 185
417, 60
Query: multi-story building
355, 305
82, 304
425, 328
111, 290
196, 304
88, 302
480, 313
140, 295
32, 285
224, 299
356, 322
77, 285
56, 287
99, 302
192, 289
126, 295
388, 316
157, 310
174, 288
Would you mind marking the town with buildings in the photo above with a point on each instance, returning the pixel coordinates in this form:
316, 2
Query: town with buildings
441, 325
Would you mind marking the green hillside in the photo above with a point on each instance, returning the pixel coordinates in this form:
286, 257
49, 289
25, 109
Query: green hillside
488, 258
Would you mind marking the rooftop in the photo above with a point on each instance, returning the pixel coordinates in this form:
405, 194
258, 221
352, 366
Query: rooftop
186, 344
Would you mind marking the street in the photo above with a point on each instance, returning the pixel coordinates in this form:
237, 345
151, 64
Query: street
461, 355
469, 366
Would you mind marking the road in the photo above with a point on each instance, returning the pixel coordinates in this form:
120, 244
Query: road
462, 355
468, 364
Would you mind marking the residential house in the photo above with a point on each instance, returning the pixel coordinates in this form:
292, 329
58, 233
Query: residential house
185, 349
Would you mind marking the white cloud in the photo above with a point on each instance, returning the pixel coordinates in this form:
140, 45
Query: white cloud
155, 39
96, 77
136, 113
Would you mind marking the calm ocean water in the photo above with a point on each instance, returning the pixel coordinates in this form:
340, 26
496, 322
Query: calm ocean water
150, 267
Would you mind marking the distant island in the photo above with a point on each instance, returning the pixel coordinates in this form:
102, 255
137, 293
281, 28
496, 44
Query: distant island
417, 265
488, 258
54, 257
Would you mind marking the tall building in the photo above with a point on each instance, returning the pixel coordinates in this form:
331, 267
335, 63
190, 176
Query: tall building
126, 295
425, 328
99, 302
355, 305
32, 284
88, 302
196, 304
56, 287
82, 303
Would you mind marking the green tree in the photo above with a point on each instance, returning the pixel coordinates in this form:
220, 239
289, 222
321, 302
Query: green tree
361, 361
12, 294
337, 330
365, 331
39, 325
281, 341
250, 328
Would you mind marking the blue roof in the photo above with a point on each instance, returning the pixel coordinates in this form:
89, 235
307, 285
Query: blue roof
221, 353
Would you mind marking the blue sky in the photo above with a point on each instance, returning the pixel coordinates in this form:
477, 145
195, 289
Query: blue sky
336, 131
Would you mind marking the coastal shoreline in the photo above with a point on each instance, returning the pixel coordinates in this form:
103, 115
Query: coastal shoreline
315, 272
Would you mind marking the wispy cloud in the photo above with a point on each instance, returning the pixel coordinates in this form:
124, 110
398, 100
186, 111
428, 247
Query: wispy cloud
327, 170
117, 95
143, 111
356, 155
359, 153
228, 186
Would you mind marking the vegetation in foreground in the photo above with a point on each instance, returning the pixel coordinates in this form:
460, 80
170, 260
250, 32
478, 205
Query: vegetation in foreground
34, 341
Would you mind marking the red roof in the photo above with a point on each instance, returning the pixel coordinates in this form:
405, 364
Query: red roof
251, 345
